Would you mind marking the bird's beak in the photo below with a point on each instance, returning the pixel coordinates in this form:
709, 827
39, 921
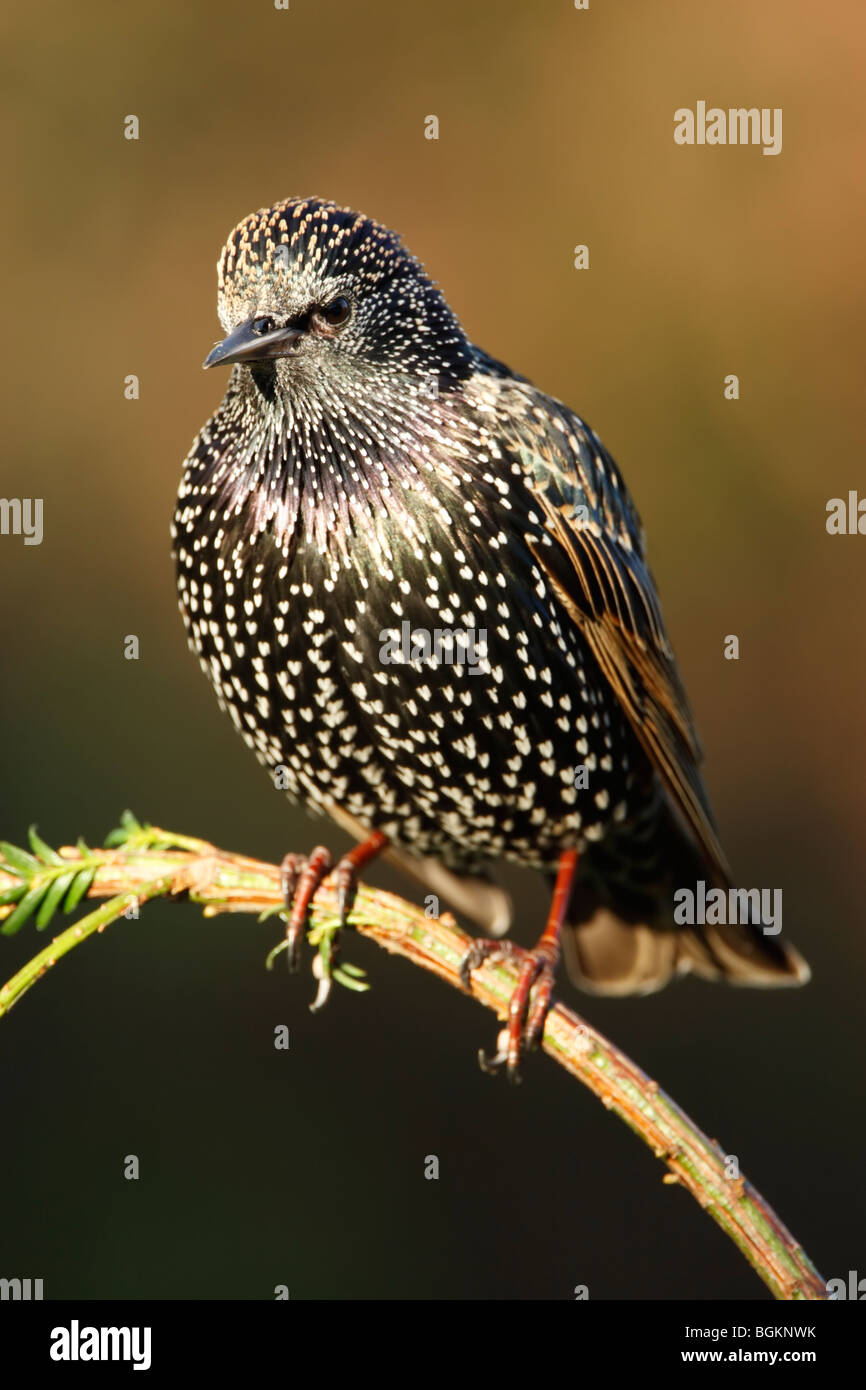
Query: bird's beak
244, 345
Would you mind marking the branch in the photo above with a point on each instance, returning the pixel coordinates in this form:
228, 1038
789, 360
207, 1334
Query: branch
144, 862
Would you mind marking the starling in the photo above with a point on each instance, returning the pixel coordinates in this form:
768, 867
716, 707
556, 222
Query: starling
419, 587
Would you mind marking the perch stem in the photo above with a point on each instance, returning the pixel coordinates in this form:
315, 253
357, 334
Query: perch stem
155, 863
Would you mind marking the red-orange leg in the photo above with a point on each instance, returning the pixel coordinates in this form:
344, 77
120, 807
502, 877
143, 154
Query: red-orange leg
348, 871
302, 876
530, 1000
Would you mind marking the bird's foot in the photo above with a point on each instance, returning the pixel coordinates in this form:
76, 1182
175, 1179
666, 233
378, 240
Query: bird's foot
301, 876
528, 1005
531, 996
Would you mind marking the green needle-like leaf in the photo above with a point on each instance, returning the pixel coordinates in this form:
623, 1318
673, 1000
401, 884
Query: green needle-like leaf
355, 970
41, 850
27, 905
129, 826
51, 901
342, 976
80, 885
11, 895
22, 862
275, 911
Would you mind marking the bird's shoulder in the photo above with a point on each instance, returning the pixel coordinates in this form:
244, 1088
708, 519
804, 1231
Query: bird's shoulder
561, 458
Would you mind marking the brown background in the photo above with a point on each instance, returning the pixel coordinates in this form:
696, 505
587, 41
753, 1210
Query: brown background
556, 128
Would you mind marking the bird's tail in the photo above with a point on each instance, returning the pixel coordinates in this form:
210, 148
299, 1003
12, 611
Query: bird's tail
629, 931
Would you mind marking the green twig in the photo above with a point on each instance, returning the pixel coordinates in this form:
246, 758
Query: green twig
142, 862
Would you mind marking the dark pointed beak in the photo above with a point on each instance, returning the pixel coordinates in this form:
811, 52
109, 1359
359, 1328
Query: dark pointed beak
245, 345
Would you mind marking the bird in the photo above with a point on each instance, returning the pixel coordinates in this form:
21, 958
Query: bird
420, 589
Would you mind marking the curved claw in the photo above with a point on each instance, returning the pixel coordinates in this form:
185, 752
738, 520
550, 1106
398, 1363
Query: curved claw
494, 1064
346, 879
531, 996
301, 876
484, 951
290, 870
323, 992
527, 1007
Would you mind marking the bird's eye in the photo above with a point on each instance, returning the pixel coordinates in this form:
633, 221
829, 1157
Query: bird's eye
336, 313
262, 326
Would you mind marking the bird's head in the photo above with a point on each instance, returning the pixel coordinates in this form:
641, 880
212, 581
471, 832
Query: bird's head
313, 296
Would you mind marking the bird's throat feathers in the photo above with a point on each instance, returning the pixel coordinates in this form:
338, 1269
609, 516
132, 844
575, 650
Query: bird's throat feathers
337, 472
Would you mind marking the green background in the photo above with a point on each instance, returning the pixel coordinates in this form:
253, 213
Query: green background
556, 128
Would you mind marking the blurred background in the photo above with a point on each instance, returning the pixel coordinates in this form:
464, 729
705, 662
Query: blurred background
556, 128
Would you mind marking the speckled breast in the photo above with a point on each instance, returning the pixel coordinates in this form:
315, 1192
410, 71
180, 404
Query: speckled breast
438, 694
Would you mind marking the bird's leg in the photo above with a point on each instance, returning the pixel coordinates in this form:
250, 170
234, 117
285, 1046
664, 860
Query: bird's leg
348, 871
300, 879
300, 876
530, 999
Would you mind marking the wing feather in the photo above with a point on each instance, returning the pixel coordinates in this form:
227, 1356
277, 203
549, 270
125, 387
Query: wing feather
591, 551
